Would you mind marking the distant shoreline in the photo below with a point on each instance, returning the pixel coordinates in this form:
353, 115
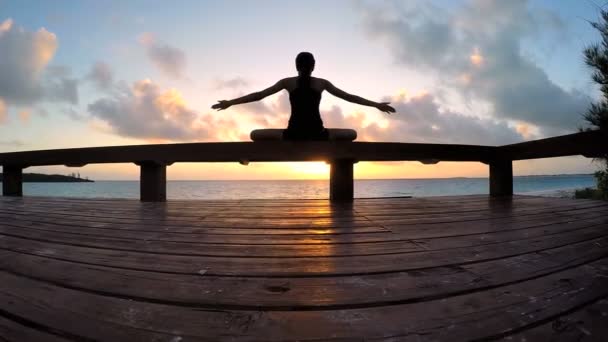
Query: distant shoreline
326, 179
44, 178
55, 178
310, 189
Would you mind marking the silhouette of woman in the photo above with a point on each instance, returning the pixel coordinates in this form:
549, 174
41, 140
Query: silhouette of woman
304, 96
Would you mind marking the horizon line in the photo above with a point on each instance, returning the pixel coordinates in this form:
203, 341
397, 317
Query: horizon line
327, 179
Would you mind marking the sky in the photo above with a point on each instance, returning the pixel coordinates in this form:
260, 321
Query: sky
100, 73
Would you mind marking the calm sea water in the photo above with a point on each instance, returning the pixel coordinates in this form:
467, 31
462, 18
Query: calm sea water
306, 188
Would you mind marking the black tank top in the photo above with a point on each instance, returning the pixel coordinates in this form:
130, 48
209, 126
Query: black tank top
305, 116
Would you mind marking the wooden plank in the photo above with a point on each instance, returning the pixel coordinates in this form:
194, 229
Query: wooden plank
304, 236
23, 330
590, 144
493, 313
269, 219
268, 204
587, 324
485, 268
586, 143
100, 322
251, 151
325, 264
496, 312
228, 293
301, 246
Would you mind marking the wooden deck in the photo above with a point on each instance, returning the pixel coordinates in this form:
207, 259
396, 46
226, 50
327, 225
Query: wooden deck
446, 268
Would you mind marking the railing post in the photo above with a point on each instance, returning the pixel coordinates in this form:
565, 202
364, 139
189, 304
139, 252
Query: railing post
152, 181
501, 177
341, 180
12, 182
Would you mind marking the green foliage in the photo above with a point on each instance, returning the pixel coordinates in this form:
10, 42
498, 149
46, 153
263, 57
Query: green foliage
585, 193
596, 56
589, 193
602, 183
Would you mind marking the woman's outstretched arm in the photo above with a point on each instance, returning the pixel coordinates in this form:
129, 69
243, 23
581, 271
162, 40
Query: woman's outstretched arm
223, 104
382, 106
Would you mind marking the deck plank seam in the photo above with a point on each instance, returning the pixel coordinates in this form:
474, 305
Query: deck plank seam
469, 262
417, 240
414, 241
229, 307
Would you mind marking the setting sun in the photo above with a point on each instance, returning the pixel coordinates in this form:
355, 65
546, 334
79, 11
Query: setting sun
310, 170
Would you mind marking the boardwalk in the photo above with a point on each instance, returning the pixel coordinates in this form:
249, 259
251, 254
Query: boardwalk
447, 268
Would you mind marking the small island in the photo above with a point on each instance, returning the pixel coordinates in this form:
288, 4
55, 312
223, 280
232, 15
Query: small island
44, 178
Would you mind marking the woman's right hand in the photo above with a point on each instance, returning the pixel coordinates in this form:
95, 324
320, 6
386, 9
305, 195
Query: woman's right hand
385, 107
221, 105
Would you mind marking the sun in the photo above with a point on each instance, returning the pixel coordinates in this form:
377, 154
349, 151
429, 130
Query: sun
310, 170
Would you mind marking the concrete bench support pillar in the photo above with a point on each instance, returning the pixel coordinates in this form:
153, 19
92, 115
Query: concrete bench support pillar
501, 178
12, 183
152, 182
341, 180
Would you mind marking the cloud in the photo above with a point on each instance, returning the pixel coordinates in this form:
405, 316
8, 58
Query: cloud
60, 86
231, 83
477, 51
26, 76
169, 60
73, 114
11, 143
266, 114
421, 119
144, 111
3, 112
101, 75
24, 116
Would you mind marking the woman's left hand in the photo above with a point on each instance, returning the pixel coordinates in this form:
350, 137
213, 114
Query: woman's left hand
221, 105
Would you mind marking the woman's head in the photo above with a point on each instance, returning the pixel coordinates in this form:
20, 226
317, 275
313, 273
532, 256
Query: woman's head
305, 63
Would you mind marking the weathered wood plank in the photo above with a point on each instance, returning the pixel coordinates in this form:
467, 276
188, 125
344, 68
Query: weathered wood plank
495, 313
588, 324
322, 265
24, 331
585, 143
466, 267
320, 292
325, 218
436, 238
252, 151
589, 144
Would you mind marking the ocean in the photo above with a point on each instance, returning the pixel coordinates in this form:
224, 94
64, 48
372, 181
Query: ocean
256, 189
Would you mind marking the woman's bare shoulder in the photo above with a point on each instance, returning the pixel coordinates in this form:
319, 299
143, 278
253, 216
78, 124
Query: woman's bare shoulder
319, 83
289, 83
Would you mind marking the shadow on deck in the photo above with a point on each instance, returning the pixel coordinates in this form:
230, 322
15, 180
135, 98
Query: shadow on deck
444, 268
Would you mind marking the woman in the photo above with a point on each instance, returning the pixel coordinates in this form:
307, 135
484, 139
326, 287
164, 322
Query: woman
304, 96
